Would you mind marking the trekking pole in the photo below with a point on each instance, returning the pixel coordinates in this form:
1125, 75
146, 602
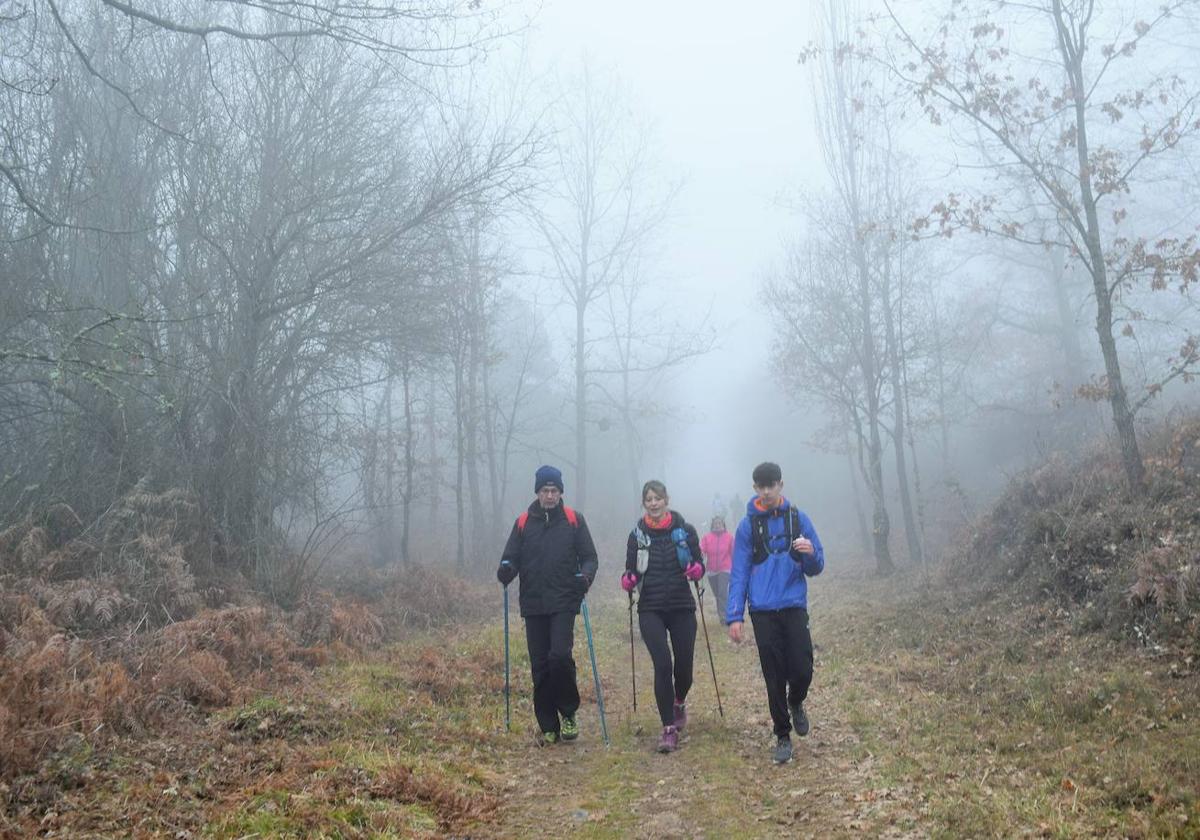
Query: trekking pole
707, 644
587, 624
632, 665
507, 709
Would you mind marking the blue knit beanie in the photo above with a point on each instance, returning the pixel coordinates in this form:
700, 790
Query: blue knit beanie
547, 474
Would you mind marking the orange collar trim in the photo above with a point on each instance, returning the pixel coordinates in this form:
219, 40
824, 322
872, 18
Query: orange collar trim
663, 523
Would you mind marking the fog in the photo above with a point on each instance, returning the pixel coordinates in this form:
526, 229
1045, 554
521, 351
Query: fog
348, 286
730, 109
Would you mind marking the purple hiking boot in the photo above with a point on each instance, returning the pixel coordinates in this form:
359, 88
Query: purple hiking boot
669, 742
680, 714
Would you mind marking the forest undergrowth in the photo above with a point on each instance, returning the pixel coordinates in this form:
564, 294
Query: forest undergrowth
1041, 682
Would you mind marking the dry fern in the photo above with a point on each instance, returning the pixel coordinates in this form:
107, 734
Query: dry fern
33, 547
201, 678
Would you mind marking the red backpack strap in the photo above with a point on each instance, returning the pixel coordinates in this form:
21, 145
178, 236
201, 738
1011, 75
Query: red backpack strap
572, 517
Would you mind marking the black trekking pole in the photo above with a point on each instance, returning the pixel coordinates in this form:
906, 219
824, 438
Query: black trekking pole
707, 644
632, 665
507, 709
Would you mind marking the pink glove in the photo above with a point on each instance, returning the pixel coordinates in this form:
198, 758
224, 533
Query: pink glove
629, 581
694, 571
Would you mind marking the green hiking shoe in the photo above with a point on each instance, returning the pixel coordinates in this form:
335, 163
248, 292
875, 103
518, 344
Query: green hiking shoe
570, 728
549, 738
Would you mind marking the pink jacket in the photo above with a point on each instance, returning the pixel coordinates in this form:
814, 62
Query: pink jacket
718, 551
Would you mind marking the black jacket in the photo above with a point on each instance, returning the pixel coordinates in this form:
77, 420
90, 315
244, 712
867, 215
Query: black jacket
663, 586
547, 555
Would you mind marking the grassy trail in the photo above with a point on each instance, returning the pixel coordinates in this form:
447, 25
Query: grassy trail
932, 717
721, 783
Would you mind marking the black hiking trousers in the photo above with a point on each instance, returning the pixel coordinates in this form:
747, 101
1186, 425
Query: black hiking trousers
551, 640
672, 679
785, 652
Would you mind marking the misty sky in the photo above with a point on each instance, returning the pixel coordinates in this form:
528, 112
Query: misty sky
731, 111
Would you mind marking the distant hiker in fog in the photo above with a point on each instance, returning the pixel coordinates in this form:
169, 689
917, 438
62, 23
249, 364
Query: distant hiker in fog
662, 558
717, 548
551, 550
775, 549
737, 508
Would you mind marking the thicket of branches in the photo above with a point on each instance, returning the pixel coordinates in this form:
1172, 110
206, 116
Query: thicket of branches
210, 246
263, 254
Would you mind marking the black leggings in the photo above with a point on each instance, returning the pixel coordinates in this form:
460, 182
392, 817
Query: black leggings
671, 680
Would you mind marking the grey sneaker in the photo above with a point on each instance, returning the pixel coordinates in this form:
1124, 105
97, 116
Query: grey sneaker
783, 750
799, 719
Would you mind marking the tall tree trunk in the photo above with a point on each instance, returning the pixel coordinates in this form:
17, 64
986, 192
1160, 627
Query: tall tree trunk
435, 467
943, 402
899, 406
409, 462
916, 466
632, 460
581, 471
860, 516
476, 332
1131, 458
880, 522
460, 556
495, 498
388, 546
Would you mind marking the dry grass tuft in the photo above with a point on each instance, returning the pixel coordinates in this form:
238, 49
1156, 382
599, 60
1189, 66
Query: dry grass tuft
451, 806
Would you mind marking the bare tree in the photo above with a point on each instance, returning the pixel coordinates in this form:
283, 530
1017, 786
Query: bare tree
968, 70
856, 164
598, 208
816, 306
647, 340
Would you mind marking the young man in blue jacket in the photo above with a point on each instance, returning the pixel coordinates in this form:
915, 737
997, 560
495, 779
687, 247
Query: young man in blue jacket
775, 549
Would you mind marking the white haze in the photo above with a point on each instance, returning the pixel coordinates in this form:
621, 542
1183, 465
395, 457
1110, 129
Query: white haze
730, 108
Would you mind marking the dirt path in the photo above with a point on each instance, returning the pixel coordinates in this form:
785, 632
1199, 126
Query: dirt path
722, 782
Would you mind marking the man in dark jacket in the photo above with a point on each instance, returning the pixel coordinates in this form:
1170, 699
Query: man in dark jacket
551, 550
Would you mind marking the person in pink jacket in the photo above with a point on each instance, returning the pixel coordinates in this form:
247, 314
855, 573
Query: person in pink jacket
717, 549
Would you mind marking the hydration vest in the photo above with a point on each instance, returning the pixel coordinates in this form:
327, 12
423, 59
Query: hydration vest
677, 535
763, 544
